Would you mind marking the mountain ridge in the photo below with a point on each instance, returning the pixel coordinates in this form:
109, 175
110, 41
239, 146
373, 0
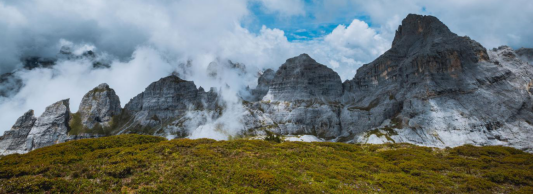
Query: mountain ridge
432, 88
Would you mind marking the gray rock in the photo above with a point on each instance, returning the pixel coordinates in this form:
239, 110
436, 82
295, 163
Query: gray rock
435, 88
99, 106
263, 85
302, 78
14, 140
163, 103
431, 88
51, 127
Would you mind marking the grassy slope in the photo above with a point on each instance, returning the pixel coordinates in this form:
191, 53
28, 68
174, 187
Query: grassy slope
147, 164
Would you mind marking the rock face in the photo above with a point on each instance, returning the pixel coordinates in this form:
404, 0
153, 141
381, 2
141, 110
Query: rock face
14, 140
438, 89
263, 84
302, 78
51, 127
164, 103
302, 99
98, 106
431, 88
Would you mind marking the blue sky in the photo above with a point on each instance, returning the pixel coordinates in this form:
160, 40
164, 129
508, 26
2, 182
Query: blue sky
301, 27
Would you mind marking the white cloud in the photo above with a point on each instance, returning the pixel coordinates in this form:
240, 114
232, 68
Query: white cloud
284, 7
357, 39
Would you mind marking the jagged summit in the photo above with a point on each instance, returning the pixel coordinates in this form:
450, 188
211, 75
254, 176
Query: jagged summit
13, 141
164, 102
420, 28
303, 78
98, 106
301, 59
423, 50
51, 126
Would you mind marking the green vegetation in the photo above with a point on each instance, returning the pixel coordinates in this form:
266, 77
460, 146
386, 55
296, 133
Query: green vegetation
272, 137
148, 164
76, 127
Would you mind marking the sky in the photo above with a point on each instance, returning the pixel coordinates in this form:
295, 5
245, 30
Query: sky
147, 40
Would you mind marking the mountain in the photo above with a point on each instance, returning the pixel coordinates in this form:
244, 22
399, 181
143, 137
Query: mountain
436, 88
57, 124
302, 78
431, 88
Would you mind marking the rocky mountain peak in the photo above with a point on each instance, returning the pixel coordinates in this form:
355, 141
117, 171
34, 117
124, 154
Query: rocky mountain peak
302, 59
98, 106
303, 78
13, 141
424, 52
164, 101
51, 127
416, 28
24, 121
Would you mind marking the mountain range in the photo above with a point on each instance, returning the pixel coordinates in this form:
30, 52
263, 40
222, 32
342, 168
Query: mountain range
431, 88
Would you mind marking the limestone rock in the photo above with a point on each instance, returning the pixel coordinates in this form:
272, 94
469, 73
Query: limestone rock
164, 102
51, 127
98, 106
435, 88
263, 85
302, 78
14, 140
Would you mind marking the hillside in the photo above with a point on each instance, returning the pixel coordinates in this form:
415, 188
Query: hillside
149, 164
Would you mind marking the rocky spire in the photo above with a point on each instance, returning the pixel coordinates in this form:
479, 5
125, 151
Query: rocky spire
98, 106
51, 127
417, 28
14, 140
302, 78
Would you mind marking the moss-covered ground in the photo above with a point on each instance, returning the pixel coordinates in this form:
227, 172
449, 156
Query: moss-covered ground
148, 164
